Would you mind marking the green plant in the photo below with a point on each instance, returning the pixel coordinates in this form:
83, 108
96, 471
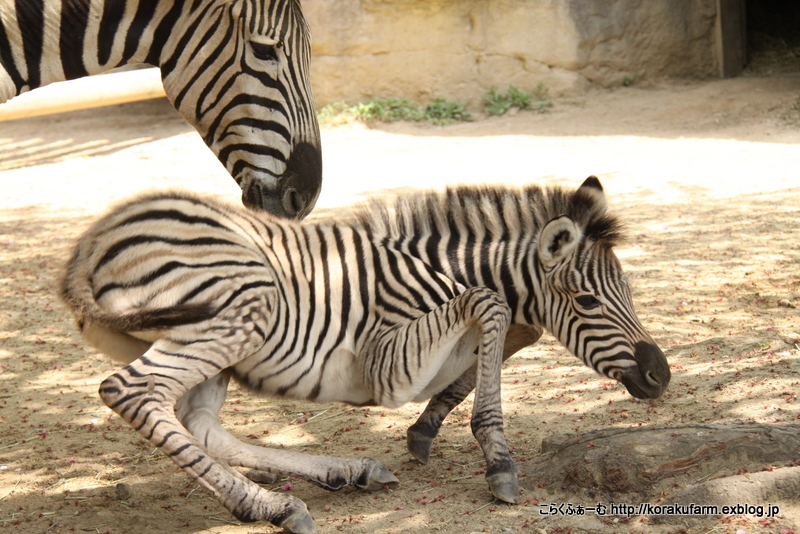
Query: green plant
388, 110
335, 114
498, 103
541, 94
441, 112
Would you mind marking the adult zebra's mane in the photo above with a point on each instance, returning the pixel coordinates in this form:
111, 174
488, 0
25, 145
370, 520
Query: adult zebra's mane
497, 211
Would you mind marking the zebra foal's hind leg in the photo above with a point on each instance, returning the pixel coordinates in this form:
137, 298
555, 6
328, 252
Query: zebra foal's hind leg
409, 360
144, 394
420, 435
198, 410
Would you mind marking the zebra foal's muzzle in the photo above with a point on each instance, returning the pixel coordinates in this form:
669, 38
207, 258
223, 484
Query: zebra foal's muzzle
649, 378
291, 195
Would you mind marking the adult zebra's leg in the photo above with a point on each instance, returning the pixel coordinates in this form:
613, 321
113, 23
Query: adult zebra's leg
420, 435
408, 359
198, 410
144, 394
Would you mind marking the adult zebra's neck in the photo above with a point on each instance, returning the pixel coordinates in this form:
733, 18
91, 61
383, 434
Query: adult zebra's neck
46, 41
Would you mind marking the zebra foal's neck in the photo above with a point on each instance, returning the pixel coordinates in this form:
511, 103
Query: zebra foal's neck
487, 235
487, 213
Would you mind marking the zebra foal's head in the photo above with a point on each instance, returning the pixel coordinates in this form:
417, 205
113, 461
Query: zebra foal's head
587, 304
239, 71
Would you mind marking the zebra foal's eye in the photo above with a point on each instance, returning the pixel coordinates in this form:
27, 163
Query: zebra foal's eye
265, 52
587, 302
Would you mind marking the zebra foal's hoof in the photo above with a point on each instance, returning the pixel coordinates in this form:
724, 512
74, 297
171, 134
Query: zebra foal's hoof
284, 511
299, 522
380, 478
419, 445
504, 486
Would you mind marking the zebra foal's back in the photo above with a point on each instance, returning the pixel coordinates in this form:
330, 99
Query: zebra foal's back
160, 261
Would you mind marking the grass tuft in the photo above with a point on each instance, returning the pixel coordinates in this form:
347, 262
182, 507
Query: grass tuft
500, 102
439, 112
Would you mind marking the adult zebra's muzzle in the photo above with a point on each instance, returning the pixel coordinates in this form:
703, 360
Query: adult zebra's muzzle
649, 378
291, 195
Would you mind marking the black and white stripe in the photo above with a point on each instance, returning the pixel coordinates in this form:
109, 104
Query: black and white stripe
237, 70
422, 299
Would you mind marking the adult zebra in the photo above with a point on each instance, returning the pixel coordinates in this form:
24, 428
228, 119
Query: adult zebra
237, 70
396, 305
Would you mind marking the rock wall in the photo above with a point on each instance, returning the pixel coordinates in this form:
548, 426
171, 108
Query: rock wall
421, 49
645, 39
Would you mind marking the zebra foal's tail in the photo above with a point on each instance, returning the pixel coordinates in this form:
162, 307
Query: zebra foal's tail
106, 330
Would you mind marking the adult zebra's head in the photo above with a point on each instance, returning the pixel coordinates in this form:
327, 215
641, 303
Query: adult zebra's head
238, 70
587, 304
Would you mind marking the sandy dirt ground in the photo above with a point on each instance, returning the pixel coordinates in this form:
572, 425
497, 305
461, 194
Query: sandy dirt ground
707, 175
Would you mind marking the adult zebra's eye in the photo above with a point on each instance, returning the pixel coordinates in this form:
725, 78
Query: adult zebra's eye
587, 302
265, 52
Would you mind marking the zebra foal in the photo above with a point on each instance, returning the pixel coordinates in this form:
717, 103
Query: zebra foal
236, 70
422, 299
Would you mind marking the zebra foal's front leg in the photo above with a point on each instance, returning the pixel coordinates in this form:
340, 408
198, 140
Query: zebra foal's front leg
420, 435
144, 394
414, 360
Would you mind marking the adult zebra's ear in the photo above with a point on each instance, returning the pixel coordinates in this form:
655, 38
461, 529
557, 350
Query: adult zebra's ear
558, 239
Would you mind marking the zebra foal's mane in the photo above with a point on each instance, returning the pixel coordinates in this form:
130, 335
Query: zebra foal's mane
497, 211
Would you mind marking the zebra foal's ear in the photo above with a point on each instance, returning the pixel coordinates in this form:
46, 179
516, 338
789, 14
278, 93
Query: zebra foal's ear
593, 182
592, 188
558, 238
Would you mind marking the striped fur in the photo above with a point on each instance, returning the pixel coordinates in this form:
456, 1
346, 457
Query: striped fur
237, 70
421, 299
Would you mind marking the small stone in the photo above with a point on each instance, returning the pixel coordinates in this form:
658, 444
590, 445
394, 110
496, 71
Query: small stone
786, 303
124, 491
791, 339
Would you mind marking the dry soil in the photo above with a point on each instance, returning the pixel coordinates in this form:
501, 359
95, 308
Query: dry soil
706, 174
